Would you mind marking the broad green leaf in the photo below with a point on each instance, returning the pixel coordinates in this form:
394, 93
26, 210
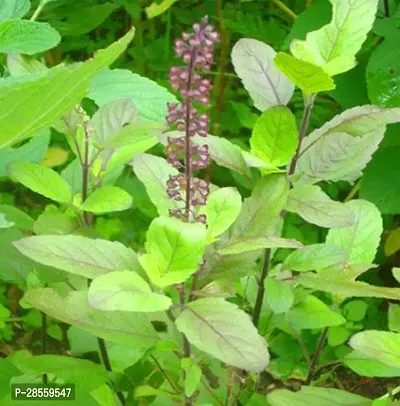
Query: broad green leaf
365, 365
279, 294
396, 274
53, 221
138, 133
362, 238
27, 37
20, 65
341, 148
55, 156
207, 324
334, 46
78, 255
107, 199
238, 246
4, 315
7, 372
174, 250
381, 181
193, 375
316, 207
83, 373
104, 395
355, 310
125, 291
111, 118
274, 137
12, 9
154, 173
380, 345
337, 335
60, 89
73, 24
314, 257
314, 396
4, 223
346, 287
32, 151
313, 313
254, 64
222, 209
22, 220
149, 98
382, 74
155, 9
129, 328
306, 76
260, 212
394, 317
41, 180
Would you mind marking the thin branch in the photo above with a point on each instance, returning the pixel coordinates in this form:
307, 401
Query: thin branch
170, 381
284, 8
261, 288
356, 188
316, 355
39, 9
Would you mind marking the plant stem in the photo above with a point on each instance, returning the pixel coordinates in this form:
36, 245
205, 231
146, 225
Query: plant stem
308, 106
316, 355
261, 288
356, 188
285, 8
39, 9
44, 342
88, 222
170, 381
305, 122
386, 7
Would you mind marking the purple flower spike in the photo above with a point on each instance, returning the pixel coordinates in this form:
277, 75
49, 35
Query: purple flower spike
197, 51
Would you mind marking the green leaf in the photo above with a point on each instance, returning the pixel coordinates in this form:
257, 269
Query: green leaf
207, 324
32, 151
342, 147
274, 137
60, 89
363, 237
107, 199
279, 294
238, 246
129, 328
347, 288
383, 74
55, 222
334, 46
364, 365
11, 9
314, 257
313, 313
154, 173
27, 37
78, 255
254, 64
337, 335
20, 218
316, 207
125, 291
306, 76
156, 9
174, 250
42, 180
111, 118
314, 396
222, 209
193, 375
149, 98
4, 223
355, 310
4, 315
394, 317
260, 212
381, 181
83, 373
7, 372
396, 274
380, 345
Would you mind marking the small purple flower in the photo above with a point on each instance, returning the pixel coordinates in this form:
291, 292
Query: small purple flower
197, 51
